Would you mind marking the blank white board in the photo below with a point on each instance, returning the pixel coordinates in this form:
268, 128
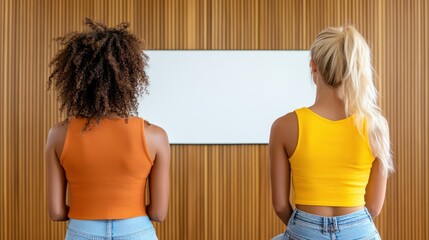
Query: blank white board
224, 97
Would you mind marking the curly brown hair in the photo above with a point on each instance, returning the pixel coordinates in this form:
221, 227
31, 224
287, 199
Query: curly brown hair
99, 71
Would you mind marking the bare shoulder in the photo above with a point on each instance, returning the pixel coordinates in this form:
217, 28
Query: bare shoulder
157, 141
56, 137
286, 123
155, 132
59, 128
58, 132
285, 132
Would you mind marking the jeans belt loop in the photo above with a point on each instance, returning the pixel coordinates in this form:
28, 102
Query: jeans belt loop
369, 215
335, 223
109, 229
293, 215
325, 224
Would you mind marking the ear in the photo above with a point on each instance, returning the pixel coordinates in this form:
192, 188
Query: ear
313, 66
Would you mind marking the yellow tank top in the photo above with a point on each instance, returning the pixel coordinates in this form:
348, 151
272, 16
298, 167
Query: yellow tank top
331, 163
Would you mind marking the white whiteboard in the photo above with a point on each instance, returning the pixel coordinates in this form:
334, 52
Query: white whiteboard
224, 97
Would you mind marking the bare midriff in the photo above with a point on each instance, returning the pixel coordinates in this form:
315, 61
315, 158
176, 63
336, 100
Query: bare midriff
328, 211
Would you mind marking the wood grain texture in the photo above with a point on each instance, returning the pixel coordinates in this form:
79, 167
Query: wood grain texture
218, 191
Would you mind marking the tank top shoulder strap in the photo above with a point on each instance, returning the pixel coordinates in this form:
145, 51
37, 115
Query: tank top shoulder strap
145, 145
302, 115
301, 112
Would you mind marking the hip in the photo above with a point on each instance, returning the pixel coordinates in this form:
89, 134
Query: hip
118, 229
356, 225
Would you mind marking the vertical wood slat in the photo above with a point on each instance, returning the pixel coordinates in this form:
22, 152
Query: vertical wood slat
218, 191
4, 151
425, 63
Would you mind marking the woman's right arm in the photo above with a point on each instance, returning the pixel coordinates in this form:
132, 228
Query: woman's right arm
279, 165
56, 182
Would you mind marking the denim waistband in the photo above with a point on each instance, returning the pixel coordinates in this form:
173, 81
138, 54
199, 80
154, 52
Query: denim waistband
330, 224
108, 227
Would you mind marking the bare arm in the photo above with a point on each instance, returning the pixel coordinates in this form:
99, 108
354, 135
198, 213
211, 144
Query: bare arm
159, 177
56, 182
375, 189
280, 169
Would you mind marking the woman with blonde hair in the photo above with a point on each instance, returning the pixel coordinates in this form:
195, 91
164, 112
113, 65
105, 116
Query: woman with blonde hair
103, 151
335, 154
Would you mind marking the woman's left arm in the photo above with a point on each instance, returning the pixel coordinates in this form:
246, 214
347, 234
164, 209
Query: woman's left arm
159, 177
56, 182
375, 189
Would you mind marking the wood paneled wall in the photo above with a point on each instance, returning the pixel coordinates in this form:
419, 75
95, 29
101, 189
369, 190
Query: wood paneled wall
218, 191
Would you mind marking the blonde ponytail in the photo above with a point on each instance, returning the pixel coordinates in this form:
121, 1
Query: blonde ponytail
344, 60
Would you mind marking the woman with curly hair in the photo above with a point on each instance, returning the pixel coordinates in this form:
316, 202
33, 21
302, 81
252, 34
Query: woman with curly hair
335, 154
103, 151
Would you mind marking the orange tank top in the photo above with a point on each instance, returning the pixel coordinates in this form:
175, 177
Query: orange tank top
106, 167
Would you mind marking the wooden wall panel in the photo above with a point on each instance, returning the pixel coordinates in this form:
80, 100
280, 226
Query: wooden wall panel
405, 94
218, 191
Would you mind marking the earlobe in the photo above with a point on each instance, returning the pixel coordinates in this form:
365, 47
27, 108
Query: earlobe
313, 66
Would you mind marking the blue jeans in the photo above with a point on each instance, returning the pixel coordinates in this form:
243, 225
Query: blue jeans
305, 226
121, 229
